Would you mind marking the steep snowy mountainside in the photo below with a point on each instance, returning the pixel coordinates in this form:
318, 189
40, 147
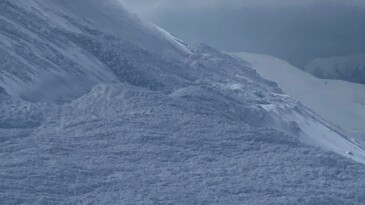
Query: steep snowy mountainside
135, 125
340, 103
218, 135
107, 16
121, 143
47, 48
349, 68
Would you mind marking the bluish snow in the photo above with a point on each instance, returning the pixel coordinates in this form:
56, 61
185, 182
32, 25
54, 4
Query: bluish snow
145, 126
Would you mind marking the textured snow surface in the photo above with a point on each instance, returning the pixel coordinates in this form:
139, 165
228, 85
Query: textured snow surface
151, 128
46, 46
340, 103
121, 144
349, 68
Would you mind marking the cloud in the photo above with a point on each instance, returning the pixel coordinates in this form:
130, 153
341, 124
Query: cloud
151, 6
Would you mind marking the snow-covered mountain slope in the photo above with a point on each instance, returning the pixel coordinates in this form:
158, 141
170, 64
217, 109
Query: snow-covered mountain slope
340, 103
121, 144
198, 127
349, 68
108, 16
45, 51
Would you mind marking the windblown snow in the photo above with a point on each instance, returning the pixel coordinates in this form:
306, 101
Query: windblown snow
99, 107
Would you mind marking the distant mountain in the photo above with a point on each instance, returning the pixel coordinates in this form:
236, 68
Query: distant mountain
98, 107
349, 68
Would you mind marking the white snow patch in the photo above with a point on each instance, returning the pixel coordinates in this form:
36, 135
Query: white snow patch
338, 102
172, 39
315, 132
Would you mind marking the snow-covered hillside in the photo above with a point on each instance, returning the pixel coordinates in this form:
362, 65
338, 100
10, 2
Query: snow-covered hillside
349, 68
93, 112
340, 103
45, 45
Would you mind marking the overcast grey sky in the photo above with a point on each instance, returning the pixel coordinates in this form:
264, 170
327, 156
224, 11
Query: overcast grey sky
295, 30
152, 6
